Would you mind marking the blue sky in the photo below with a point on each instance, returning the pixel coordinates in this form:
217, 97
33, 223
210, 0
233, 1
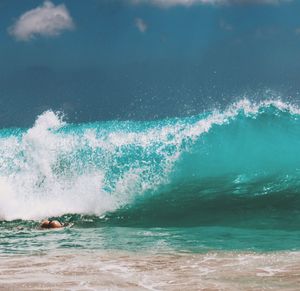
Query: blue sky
143, 59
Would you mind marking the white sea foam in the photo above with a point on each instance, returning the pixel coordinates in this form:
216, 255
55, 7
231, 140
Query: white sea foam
105, 270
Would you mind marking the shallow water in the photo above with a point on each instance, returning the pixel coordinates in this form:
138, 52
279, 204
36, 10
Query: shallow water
116, 270
132, 258
21, 240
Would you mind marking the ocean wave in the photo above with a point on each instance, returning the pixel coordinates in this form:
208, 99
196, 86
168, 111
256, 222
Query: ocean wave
108, 169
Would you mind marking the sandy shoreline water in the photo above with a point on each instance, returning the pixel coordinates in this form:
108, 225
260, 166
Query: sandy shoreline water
108, 270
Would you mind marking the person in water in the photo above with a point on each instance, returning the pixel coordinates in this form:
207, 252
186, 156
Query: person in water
51, 224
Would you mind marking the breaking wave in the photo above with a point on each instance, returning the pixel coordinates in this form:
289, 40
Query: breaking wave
217, 166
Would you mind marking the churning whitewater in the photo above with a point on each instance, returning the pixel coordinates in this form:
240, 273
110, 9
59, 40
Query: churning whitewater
117, 170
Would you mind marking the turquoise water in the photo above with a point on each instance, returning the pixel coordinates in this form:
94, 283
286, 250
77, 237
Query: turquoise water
218, 181
147, 240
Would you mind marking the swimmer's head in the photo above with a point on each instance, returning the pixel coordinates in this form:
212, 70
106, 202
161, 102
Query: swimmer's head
45, 223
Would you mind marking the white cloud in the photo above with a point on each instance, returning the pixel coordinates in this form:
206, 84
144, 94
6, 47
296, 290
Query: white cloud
45, 20
141, 25
168, 3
